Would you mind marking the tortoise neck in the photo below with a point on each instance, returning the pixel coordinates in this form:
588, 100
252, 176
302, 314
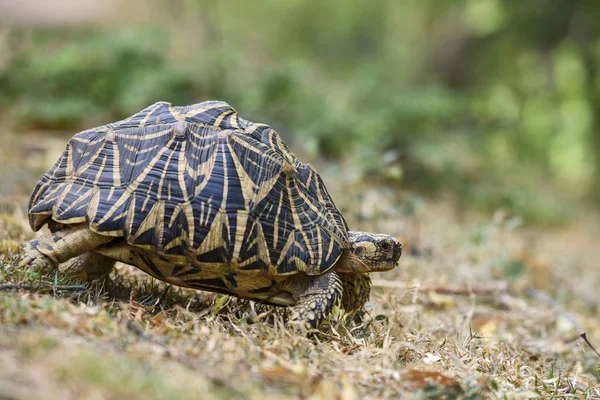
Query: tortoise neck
349, 262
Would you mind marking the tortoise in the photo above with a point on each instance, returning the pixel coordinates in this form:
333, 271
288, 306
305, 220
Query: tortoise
200, 198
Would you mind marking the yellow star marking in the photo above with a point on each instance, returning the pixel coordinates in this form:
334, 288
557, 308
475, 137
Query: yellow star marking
234, 121
195, 112
94, 202
189, 215
137, 151
319, 244
110, 194
223, 115
69, 169
330, 249
140, 135
225, 178
133, 164
164, 173
214, 238
285, 248
176, 114
159, 210
251, 129
276, 224
151, 221
116, 166
263, 247
181, 167
65, 190
100, 170
240, 232
152, 109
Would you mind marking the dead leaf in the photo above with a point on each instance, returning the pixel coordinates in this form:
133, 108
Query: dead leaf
277, 373
486, 325
525, 395
420, 379
325, 390
441, 301
430, 358
137, 309
328, 390
348, 390
158, 318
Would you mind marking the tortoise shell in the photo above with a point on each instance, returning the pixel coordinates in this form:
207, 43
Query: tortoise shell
199, 182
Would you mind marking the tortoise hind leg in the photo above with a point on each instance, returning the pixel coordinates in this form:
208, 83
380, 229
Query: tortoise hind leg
315, 296
89, 266
51, 249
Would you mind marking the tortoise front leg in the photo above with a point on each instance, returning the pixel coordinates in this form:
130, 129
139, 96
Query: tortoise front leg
54, 248
357, 289
315, 296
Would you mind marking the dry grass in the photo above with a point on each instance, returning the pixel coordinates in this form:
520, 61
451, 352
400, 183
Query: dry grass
479, 308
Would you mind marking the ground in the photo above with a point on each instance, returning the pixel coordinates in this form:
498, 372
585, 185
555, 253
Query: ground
480, 307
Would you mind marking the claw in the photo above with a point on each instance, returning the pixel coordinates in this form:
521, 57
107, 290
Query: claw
299, 326
25, 262
36, 260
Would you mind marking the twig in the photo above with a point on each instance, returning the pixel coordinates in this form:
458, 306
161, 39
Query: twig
584, 337
463, 291
543, 298
439, 289
15, 286
390, 284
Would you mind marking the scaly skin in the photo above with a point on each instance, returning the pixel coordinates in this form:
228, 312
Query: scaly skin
51, 249
89, 267
315, 296
357, 289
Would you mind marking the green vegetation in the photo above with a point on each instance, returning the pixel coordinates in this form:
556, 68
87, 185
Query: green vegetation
480, 97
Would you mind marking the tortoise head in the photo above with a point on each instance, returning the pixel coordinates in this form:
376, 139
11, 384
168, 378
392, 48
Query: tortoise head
370, 252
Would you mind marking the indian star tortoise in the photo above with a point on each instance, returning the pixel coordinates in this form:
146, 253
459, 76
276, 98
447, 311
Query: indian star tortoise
198, 197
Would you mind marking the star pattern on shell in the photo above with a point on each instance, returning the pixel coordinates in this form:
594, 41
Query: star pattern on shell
199, 184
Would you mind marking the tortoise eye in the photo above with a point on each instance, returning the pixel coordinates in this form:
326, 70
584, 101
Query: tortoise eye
386, 246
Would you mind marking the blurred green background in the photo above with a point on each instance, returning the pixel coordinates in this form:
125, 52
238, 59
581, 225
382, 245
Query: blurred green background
496, 102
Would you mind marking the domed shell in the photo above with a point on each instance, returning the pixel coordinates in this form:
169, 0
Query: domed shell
199, 182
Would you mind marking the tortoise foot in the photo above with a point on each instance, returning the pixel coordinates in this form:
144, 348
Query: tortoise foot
315, 298
51, 249
35, 258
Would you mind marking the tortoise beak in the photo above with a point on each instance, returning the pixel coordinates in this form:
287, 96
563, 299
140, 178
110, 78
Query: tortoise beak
397, 252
